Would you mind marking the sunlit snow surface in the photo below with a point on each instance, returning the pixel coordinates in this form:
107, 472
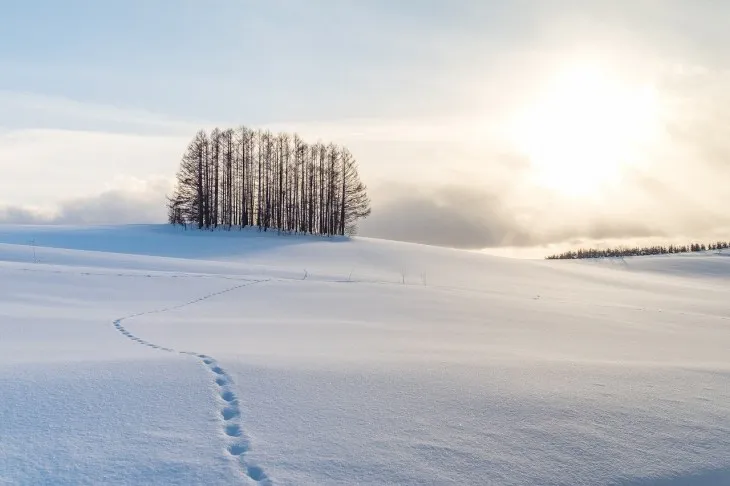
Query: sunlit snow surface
152, 355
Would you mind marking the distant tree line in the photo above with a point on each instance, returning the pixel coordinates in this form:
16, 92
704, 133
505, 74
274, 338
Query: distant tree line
638, 251
236, 178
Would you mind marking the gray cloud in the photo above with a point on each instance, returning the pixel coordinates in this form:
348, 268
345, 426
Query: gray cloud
473, 218
451, 216
117, 206
21, 215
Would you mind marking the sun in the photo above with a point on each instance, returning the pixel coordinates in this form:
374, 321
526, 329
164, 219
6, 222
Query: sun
584, 129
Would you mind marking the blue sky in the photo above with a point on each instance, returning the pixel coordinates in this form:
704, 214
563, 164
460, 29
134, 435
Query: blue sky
98, 99
274, 61
262, 60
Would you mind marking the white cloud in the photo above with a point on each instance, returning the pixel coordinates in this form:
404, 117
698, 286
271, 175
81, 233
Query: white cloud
42, 167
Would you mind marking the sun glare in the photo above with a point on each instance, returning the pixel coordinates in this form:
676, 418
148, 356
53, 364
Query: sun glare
584, 129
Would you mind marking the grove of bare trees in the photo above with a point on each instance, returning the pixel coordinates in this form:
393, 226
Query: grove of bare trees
236, 178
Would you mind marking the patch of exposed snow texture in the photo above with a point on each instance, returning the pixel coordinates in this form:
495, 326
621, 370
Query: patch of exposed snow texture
153, 355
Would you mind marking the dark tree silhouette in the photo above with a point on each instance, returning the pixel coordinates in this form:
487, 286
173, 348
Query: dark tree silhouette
238, 178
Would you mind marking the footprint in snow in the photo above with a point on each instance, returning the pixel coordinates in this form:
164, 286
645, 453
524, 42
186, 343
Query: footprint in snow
229, 413
237, 449
233, 430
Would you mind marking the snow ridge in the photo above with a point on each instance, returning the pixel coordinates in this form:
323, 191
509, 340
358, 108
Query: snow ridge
230, 411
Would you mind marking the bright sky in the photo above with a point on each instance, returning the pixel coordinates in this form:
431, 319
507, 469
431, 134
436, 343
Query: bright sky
476, 123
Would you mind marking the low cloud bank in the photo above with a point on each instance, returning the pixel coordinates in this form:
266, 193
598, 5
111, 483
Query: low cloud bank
144, 203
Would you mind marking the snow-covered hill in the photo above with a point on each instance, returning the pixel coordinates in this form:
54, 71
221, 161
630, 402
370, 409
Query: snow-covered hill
152, 355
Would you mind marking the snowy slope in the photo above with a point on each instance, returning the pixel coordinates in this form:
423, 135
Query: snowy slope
152, 355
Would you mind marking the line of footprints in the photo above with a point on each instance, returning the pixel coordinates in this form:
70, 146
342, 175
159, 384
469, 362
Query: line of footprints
230, 410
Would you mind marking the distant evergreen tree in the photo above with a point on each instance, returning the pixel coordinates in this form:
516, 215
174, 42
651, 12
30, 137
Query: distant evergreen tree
582, 253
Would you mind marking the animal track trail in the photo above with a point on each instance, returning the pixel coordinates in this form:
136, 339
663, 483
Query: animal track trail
231, 415
229, 409
140, 275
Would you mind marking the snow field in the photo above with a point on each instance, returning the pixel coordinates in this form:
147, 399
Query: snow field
150, 355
